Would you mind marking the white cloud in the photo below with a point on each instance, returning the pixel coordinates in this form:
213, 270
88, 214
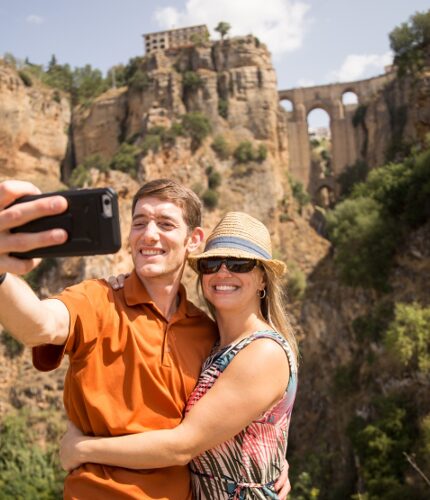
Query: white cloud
35, 19
360, 66
280, 24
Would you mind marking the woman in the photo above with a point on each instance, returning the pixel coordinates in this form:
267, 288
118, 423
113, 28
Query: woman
235, 437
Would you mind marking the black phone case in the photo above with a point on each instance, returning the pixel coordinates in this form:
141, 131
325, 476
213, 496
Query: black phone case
91, 221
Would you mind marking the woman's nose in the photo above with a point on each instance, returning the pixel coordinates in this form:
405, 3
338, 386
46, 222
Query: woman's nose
223, 269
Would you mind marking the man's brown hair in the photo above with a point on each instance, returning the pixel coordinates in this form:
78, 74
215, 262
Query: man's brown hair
181, 196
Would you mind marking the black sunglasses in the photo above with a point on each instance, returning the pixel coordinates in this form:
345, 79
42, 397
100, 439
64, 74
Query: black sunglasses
213, 265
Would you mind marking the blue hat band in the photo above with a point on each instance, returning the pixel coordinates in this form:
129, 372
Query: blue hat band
239, 244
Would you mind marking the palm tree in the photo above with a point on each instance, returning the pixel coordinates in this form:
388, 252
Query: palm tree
223, 28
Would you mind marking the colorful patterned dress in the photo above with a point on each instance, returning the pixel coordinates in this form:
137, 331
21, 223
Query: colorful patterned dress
248, 465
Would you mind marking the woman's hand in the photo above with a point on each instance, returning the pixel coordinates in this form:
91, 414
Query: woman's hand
70, 456
282, 485
117, 282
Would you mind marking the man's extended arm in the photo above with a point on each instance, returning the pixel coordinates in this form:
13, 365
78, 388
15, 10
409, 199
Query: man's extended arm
29, 319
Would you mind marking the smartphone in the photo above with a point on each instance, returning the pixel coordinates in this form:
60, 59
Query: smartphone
91, 221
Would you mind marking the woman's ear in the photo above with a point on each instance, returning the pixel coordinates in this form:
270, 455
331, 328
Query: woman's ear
263, 279
195, 239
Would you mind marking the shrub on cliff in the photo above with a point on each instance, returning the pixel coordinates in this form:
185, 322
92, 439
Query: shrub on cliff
221, 147
408, 336
410, 43
151, 142
191, 80
351, 176
25, 78
223, 108
296, 282
126, 159
210, 198
214, 180
13, 347
245, 152
379, 443
402, 189
197, 126
364, 242
27, 470
81, 175
367, 227
299, 193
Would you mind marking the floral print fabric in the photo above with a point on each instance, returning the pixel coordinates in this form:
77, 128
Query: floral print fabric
248, 465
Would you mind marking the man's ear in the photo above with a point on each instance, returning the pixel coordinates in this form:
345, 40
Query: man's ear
195, 239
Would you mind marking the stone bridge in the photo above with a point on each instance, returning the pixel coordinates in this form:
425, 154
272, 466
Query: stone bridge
344, 150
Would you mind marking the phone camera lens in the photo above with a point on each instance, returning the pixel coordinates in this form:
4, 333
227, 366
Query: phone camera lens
106, 206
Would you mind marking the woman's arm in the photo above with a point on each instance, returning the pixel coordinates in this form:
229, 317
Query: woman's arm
253, 382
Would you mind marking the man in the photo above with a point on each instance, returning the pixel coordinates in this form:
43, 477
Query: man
135, 354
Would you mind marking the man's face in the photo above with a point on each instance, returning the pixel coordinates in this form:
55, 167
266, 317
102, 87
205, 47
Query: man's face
159, 239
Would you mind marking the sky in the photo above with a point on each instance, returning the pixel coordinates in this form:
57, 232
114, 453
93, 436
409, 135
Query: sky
312, 42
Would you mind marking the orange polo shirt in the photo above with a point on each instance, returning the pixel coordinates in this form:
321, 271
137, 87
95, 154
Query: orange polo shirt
130, 371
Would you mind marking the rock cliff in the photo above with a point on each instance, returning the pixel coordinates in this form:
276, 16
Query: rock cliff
394, 120
34, 130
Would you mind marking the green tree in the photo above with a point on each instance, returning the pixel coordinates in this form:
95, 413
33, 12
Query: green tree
223, 108
116, 76
408, 336
197, 126
410, 43
58, 76
12, 347
25, 78
26, 470
10, 59
303, 488
210, 198
244, 152
380, 443
88, 83
191, 80
81, 174
352, 175
299, 194
221, 147
151, 142
364, 240
126, 159
223, 28
214, 180
296, 281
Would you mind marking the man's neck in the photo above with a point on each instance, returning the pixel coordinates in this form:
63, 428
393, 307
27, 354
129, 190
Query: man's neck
165, 295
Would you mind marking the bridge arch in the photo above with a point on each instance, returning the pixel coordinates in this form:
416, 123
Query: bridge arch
345, 151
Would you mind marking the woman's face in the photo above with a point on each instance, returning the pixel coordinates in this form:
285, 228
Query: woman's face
227, 290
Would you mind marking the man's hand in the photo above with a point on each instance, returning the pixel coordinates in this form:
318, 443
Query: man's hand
117, 282
69, 453
20, 214
282, 485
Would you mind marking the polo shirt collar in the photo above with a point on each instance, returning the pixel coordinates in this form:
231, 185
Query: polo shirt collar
135, 293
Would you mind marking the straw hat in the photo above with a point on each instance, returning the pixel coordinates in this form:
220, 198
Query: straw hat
242, 236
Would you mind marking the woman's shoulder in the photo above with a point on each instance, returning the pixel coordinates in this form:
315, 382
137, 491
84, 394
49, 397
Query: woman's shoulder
270, 345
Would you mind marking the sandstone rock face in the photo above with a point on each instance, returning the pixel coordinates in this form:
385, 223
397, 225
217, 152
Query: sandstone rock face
33, 130
399, 114
98, 129
237, 71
